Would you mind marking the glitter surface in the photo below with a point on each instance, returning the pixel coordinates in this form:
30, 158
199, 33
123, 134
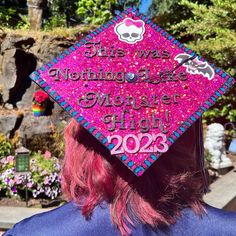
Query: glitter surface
161, 102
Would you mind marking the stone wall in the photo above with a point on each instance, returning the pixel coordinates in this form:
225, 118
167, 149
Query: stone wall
19, 56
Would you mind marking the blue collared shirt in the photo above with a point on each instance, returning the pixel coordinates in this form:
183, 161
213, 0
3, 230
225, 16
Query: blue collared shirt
68, 221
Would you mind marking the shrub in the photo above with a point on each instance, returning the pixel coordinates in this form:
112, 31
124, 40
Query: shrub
5, 146
43, 181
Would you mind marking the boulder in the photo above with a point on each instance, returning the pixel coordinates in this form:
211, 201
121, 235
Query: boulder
49, 47
35, 125
17, 65
13, 41
7, 123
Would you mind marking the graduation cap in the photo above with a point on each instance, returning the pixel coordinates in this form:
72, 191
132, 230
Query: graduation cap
134, 87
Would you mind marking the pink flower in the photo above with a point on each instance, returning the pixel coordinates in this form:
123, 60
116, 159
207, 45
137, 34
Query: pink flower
10, 159
29, 185
40, 96
46, 181
44, 173
47, 155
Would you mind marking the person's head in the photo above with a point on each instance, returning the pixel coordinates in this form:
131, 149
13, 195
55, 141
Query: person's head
91, 176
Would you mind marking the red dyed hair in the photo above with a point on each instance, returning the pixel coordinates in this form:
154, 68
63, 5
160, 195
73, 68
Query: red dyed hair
91, 176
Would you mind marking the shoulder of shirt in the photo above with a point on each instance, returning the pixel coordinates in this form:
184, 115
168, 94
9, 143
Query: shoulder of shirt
67, 220
215, 220
212, 222
62, 221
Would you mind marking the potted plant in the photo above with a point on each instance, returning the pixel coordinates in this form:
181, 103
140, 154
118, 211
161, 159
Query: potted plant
40, 101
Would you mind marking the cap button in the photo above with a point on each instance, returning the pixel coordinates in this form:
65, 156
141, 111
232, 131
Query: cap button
131, 77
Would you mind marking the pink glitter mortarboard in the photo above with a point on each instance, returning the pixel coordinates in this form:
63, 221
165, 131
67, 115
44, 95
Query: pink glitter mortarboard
133, 87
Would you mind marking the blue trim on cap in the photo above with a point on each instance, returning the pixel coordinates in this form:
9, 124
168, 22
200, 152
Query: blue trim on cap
34, 77
42, 82
105, 140
74, 113
55, 60
208, 103
72, 48
86, 124
223, 75
176, 134
79, 119
137, 169
148, 163
130, 163
171, 140
154, 158
193, 118
99, 134
154, 25
213, 98
124, 158
92, 129
47, 88
111, 146
68, 108
63, 103
42, 68
57, 98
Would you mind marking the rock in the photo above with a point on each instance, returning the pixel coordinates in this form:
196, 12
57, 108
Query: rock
35, 125
8, 106
2, 37
49, 48
7, 123
16, 67
21, 55
13, 41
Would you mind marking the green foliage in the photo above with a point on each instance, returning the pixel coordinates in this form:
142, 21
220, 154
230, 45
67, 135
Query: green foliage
208, 158
42, 181
23, 23
129, 3
211, 31
7, 15
94, 11
169, 12
55, 14
58, 144
5, 146
54, 22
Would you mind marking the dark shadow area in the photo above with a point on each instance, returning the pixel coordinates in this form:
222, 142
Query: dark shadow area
17, 125
25, 65
49, 108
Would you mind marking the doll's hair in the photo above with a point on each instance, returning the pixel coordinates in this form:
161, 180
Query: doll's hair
91, 176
